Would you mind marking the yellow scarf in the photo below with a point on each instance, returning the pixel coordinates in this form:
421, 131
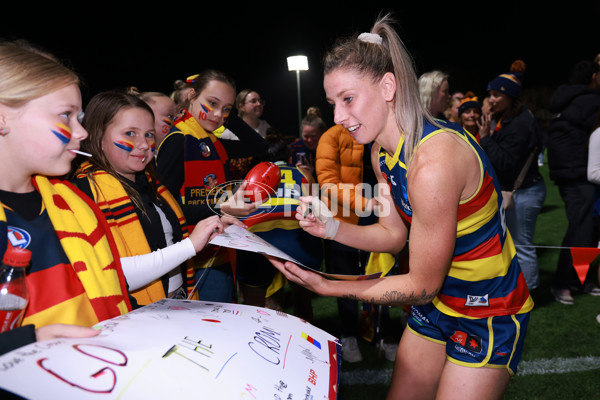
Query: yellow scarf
86, 240
196, 164
125, 226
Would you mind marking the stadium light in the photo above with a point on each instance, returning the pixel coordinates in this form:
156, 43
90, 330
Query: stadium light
298, 63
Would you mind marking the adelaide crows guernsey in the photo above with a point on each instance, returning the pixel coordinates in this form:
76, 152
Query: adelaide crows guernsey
75, 276
206, 162
484, 278
206, 166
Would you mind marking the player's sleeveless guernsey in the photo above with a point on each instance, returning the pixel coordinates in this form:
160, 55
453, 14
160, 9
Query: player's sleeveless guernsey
484, 277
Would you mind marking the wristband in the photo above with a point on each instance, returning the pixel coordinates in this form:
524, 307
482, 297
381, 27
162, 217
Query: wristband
331, 228
324, 215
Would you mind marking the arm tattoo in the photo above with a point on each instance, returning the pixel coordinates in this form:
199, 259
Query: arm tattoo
396, 298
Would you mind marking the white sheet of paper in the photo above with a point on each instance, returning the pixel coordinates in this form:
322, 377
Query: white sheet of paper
239, 238
182, 349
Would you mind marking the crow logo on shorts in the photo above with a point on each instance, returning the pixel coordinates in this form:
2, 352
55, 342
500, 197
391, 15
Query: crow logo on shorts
469, 342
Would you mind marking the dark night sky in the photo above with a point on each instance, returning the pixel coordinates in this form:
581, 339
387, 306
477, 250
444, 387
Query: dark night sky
116, 46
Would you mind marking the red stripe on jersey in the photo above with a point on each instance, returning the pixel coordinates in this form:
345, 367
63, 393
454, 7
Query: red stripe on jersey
489, 248
52, 286
507, 305
477, 203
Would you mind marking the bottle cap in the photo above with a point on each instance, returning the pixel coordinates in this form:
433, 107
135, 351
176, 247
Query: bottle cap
16, 256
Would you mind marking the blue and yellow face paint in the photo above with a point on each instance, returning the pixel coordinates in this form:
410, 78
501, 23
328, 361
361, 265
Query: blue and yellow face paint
126, 145
206, 107
62, 132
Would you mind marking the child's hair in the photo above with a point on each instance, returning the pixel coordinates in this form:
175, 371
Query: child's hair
278, 149
179, 89
199, 82
148, 97
99, 113
313, 118
377, 59
28, 72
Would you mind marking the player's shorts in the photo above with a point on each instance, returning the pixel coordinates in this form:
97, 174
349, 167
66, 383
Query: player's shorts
495, 342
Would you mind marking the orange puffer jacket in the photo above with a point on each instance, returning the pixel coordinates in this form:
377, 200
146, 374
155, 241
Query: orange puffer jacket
339, 169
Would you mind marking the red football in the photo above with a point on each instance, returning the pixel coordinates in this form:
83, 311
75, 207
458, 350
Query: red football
262, 181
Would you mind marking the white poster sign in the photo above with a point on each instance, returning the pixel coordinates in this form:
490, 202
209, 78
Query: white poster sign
182, 349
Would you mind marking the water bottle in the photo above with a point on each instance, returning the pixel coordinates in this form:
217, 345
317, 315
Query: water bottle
14, 295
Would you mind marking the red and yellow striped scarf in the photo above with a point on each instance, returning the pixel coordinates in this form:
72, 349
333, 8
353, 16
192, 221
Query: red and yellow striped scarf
91, 250
198, 163
188, 125
119, 211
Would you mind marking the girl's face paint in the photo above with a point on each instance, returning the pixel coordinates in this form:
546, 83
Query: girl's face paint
33, 145
164, 109
128, 141
62, 132
206, 108
123, 144
213, 105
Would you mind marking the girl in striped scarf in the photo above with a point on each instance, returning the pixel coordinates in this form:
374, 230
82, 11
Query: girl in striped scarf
146, 221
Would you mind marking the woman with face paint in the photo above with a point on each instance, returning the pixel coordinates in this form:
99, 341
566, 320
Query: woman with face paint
147, 223
192, 162
73, 278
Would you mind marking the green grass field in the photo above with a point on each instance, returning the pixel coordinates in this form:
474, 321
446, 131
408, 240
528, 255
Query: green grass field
561, 359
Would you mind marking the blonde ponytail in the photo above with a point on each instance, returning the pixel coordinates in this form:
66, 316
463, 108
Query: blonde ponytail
369, 56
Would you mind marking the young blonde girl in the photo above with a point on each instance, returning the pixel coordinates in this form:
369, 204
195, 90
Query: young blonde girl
75, 277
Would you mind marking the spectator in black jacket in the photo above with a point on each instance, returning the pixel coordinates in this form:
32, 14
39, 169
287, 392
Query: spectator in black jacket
515, 136
576, 106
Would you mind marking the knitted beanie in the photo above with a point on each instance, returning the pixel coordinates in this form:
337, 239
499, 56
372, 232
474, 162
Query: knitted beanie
509, 83
469, 101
